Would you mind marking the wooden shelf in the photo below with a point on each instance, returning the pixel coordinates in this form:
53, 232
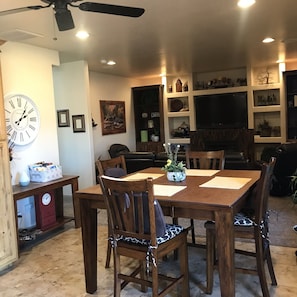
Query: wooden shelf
35, 189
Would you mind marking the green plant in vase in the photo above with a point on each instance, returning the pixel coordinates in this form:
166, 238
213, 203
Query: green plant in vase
176, 170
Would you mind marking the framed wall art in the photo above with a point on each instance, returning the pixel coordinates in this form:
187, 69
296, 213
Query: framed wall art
63, 118
78, 122
113, 119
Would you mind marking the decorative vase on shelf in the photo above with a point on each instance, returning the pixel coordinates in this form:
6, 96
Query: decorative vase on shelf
24, 179
176, 176
179, 85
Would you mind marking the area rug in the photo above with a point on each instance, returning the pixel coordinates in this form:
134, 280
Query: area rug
282, 218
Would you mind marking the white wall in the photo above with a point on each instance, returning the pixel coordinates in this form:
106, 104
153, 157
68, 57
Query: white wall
28, 70
71, 83
115, 88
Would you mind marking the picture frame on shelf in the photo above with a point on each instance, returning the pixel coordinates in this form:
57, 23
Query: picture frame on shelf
78, 123
63, 118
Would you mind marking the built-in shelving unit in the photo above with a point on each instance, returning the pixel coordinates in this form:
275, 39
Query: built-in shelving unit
265, 92
149, 118
291, 104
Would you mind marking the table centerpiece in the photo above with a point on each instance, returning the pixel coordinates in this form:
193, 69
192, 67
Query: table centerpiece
176, 170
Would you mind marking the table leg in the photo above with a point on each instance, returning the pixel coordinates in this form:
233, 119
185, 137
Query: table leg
75, 203
89, 240
225, 250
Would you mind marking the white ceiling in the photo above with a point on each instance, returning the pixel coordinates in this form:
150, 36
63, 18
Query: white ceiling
173, 37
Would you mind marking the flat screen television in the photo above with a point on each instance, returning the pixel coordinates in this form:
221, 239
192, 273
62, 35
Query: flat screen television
221, 111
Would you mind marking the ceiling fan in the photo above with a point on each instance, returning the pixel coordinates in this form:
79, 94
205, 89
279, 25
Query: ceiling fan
63, 14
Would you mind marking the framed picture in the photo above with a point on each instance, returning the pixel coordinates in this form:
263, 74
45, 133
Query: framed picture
78, 122
63, 118
113, 119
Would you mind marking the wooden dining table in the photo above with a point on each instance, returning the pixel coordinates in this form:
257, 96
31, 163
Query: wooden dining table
204, 195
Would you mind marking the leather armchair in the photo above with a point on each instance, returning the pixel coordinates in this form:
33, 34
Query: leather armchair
285, 166
138, 160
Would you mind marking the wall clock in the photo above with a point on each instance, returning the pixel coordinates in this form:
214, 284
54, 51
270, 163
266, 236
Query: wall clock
22, 119
45, 208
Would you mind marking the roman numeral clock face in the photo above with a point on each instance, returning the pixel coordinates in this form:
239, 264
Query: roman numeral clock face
22, 119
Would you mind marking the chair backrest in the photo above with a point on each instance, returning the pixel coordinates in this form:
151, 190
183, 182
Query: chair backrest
262, 191
130, 207
205, 159
116, 149
114, 167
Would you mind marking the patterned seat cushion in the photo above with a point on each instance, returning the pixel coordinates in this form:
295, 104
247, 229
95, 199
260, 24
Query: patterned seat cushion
170, 232
240, 219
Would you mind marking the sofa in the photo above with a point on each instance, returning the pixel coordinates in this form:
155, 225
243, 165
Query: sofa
140, 160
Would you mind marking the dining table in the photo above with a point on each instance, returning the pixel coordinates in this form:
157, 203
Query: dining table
215, 195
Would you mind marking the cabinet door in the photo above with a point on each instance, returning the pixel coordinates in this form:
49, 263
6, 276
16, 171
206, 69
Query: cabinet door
148, 112
291, 104
8, 236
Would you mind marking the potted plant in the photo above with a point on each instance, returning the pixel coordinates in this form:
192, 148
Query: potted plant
176, 170
293, 187
265, 129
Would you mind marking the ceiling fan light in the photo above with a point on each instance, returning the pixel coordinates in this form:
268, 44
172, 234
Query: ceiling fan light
245, 3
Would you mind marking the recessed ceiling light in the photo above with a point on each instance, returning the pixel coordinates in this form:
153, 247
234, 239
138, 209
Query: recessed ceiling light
82, 34
245, 3
110, 63
268, 40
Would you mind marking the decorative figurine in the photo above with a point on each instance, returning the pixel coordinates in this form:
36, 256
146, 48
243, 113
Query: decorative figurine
179, 86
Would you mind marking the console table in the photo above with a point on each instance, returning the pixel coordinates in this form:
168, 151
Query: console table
34, 189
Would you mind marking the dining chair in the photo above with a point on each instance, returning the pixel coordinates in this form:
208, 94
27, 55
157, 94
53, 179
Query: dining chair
204, 160
114, 167
251, 223
110, 167
139, 231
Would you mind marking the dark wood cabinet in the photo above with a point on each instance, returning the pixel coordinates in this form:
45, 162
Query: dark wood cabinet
149, 117
291, 104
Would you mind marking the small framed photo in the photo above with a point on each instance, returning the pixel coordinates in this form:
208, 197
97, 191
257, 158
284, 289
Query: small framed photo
63, 118
78, 122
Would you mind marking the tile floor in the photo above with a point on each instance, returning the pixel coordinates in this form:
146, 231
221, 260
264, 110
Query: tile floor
55, 268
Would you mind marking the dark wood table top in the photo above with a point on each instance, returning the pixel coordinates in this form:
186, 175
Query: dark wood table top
34, 188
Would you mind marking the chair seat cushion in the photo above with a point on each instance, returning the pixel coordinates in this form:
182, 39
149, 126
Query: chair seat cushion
170, 232
115, 172
241, 219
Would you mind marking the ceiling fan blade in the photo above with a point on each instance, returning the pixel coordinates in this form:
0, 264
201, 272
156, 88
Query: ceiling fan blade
64, 19
21, 9
111, 9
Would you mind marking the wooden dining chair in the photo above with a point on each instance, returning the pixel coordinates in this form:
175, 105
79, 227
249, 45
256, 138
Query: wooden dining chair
109, 167
114, 167
204, 160
251, 223
139, 231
